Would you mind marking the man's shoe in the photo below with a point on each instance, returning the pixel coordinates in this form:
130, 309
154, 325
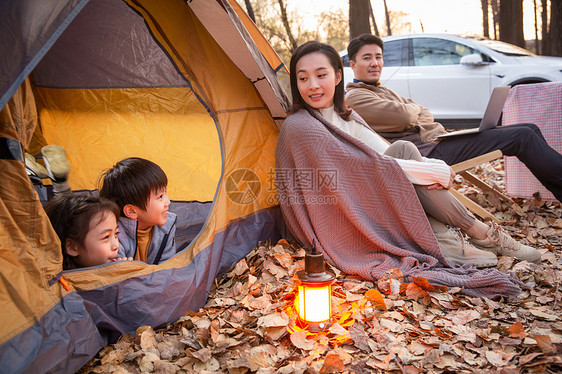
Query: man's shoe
457, 250
500, 242
35, 168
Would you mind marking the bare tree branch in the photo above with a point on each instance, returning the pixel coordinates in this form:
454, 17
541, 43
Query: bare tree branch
285, 21
375, 28
545, 43
495, 17
250, 10
535, 11
388, 30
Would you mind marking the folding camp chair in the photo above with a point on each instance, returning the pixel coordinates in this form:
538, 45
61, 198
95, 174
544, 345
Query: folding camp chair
462, 168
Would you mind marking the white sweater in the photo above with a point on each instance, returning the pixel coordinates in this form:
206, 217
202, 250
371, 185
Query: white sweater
428, 172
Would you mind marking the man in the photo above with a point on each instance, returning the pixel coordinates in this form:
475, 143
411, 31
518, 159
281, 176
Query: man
395, 117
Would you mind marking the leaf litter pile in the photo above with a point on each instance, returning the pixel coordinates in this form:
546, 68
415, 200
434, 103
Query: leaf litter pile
249, 324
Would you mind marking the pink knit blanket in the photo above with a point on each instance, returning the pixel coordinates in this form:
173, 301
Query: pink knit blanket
362, 211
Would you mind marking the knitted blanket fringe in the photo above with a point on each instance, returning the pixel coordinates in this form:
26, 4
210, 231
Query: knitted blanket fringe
362, 210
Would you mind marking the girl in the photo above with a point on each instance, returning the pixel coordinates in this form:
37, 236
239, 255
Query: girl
87, 228
368, 220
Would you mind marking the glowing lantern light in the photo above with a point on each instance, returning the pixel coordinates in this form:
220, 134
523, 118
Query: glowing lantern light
314, 300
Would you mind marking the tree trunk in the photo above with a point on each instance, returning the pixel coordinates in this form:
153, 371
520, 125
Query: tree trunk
375, 28
535, 10
359, 18
555, 29
287, 26
388, 30
485, 25
495, 17
250, 10
545, 42
511, 22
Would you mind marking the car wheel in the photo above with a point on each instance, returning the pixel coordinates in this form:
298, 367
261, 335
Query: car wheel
528, 81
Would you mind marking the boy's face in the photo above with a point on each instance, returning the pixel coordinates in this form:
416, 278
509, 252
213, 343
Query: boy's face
100, 244
156, 212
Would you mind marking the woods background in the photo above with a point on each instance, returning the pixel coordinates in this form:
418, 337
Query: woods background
501, 20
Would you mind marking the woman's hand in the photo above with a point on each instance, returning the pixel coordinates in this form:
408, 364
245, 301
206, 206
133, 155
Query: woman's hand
439, 186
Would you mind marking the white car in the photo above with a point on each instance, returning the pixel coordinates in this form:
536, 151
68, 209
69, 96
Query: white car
454, 76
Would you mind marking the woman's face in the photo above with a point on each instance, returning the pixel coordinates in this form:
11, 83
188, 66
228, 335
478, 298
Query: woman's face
317, 80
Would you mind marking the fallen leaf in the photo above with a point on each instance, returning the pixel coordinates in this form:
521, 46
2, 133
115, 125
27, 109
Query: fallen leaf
517, 331
495, 358
544, 343
284, 259
332, 364
415, 292
375, 297
240, 268
298, 338
274, 320
547, 316
360, 337
203, 355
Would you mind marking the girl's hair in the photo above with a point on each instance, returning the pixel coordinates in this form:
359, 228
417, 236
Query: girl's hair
335, 60
131, 181
71, 215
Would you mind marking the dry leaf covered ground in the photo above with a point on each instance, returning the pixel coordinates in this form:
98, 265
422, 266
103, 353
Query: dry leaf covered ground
248, 324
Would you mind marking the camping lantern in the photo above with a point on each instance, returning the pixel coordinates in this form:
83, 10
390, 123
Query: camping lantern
314, 300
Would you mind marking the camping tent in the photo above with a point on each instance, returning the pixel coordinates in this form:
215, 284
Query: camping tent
190, 85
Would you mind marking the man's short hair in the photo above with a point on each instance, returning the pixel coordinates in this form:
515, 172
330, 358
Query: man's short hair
365, 39
131, 181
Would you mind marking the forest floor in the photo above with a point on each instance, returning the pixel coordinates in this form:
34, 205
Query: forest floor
248, 324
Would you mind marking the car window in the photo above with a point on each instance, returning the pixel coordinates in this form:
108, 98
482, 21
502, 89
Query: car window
392, 54
431, 51
345, 60
504, 48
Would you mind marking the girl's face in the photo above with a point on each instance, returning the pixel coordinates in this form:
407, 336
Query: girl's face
101, 243
317, 80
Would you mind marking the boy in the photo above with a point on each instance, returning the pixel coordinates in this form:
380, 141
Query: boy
146, 227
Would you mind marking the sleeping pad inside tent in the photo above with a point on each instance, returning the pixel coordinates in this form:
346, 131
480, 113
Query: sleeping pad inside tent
184, 84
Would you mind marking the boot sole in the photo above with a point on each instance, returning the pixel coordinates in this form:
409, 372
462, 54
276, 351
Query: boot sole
35, 167
536, 260
478, 262
55, 160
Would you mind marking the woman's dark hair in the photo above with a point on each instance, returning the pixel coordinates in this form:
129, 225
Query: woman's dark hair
131, 181
71, 214
335, 60
365, 39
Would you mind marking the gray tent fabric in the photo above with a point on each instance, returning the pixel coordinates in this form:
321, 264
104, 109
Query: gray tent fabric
49, 348
108, 46
28, 30
367, 219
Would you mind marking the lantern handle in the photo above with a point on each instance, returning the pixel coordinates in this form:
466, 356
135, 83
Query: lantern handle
313, 246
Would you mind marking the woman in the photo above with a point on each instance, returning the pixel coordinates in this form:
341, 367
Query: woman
368, 219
